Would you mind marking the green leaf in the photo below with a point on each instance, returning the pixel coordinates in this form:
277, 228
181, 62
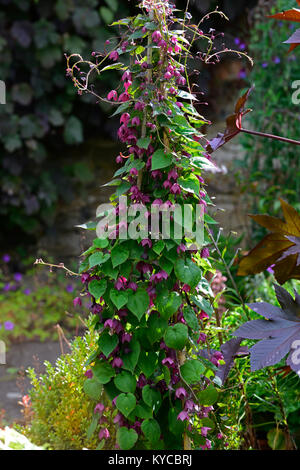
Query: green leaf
97, 288
191, 318
107, 343
165, 264
119, 298
192, 370
98, 258
207, 422
151, 397
119, 255
122, 188
130, 359
103, 371
158, 247
73, 131
126, 403
190, 184
168, 303
176, 336
143, 411
106, 14
93, 426
276, 439
138, 302
151, 430
125, 382
100, 242
144, 142
113, 4
188, 272
160, 160
93, 388
203, 304
107, 269
148, 362
156, 328
126, 438
209, 396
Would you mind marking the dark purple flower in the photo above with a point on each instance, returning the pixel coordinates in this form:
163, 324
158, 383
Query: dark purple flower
132, 285
156, 36
114, 56
6, 258
104, 434
205, 253
181, 393
124, 97
77, 302
175, 189
69, 288
112, 95
117, 362
183, 416
126, 338
89, 374
202, 338
27, 291
99, 408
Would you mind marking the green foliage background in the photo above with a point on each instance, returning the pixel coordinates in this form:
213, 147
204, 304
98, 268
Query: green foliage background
271, 169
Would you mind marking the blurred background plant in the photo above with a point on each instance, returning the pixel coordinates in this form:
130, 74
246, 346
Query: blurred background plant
42, 116
270, 169
33, 303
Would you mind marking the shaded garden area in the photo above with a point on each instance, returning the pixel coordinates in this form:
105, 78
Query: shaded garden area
152, 340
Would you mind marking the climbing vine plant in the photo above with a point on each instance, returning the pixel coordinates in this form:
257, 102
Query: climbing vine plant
150, 296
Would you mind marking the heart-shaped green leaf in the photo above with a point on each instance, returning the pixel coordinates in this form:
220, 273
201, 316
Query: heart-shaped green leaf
98, 258
125, 382
168, 303
151, 397
156, 327
138, 302
151, 430
191, 318
103, 371
126, 403
126, 438
192, 370
130, 359
160, 159
188, 272
176, 336
209, 396
97, 288
148, 362
107, 343
119, 298
93, 388
119, 255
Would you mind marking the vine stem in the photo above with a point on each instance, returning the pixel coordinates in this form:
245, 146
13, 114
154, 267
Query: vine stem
262, 134
59, 266
149, 76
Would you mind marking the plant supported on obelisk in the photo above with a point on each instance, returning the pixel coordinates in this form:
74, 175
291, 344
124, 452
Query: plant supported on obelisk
147, 284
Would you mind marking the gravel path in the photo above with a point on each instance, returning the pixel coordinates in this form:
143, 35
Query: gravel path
13, 384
